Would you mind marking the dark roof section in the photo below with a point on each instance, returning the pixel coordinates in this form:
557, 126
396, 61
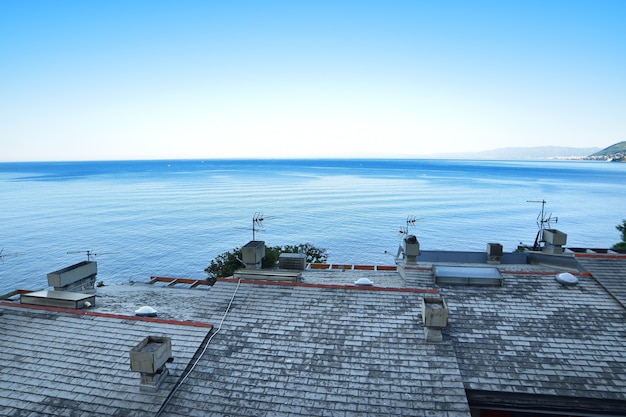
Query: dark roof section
609, 271
535, 336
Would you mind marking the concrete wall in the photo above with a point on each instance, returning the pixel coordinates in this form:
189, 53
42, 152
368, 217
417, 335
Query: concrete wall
470, 257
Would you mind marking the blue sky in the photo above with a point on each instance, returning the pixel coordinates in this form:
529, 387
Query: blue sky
89, 80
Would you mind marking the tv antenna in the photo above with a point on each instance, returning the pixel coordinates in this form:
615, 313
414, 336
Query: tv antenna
410, 223
7, 255
543, 220
257, 224
90, 253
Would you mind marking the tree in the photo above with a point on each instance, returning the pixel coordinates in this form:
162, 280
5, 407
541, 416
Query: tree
225, 264
622, 229
313, 255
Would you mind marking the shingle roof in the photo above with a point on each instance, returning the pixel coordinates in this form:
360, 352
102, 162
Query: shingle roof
318, 348
289, 350
56, 363
535, 336
609, 271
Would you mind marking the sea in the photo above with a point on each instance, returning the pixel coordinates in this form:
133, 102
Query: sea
170, 218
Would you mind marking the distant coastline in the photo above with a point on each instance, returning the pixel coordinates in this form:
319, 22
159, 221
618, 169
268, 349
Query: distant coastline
613, 153
523, 153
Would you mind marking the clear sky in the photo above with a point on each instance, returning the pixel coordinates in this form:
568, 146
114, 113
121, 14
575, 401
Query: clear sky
91, 79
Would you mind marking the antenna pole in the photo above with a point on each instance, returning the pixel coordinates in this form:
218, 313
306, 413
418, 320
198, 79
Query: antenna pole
543, 204
90, 253
257, 220
542, 217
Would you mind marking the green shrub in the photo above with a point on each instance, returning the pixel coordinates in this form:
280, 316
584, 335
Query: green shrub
225, 264
622, 229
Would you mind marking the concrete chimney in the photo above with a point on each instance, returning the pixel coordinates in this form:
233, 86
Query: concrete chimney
149, 358
252, 254
80, 277
434, 318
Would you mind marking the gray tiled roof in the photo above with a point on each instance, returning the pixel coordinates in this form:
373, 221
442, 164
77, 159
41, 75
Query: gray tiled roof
609, 271
321, 349
58, 364
286, 350
538, 340
534, 336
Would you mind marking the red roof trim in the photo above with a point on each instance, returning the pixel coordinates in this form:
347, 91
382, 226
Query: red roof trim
107, 315
330, 286
512, 272
418, 268
600, 255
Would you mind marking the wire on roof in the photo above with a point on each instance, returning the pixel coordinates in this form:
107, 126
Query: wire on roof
184, 377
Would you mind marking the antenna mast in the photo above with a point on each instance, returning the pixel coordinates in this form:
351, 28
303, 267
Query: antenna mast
409, 249
542, 220
257, 223
410, 222
90, 253
7, 255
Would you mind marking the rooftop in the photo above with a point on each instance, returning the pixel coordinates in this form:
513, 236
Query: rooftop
325, 346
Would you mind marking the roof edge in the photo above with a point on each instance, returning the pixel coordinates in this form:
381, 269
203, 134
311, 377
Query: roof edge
107, 315
327, 286
536, 402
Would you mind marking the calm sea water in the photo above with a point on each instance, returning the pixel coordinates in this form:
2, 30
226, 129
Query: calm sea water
171, 218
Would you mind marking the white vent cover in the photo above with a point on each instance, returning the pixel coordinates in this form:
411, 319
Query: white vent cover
566, 279
146, 311
364, 282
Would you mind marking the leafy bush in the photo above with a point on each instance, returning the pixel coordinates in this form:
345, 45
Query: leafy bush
622, 229
225, 264
313, 255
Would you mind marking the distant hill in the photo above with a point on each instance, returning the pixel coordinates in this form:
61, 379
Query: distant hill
537, 152
616, 153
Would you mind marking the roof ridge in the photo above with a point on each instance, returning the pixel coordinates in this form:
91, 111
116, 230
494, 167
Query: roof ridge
331, 286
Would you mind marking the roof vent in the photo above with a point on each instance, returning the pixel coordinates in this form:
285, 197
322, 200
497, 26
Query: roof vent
364, 282
295, 261
410, 249
554, 240
566, 279
149, 358
146, 311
